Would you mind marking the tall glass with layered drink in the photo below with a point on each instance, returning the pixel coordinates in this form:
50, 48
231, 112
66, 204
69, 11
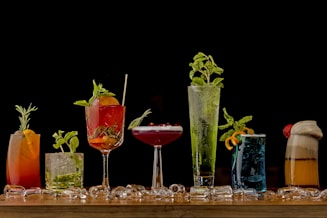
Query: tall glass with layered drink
301, 157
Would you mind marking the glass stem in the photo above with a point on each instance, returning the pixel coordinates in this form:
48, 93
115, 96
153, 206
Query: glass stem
105, 180
157, 178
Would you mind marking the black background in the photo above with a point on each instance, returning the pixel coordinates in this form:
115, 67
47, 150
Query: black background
273, 56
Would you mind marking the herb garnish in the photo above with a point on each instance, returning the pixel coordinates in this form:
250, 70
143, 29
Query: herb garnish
98, 91
206, 66
70, 139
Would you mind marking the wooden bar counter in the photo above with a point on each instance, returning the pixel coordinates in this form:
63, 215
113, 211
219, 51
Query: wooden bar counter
128, 208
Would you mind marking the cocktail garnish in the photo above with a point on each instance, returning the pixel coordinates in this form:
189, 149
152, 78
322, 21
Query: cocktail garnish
98, 91
70, 139
138, 121
24, 118
233, 135
206, 66
287, 130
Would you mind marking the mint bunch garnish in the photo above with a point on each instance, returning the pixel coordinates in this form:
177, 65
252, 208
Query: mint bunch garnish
98, 90
205, 71
70, 139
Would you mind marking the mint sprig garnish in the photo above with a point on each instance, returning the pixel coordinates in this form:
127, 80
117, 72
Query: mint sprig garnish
230, 122
208, 70
70, 139
98, 91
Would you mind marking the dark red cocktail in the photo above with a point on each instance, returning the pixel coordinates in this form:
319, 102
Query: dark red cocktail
157, 135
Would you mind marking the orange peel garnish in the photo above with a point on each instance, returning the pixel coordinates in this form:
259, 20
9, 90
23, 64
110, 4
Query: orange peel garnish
248, 130
233, 140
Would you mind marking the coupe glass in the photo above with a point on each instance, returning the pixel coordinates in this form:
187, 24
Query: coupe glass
157, 136
105, 132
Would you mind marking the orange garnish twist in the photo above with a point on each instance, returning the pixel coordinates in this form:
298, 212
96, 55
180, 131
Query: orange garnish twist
235, 137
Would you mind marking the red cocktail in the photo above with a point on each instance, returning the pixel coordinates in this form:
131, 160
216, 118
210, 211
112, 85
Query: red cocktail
105, 126
157, 136
105, 132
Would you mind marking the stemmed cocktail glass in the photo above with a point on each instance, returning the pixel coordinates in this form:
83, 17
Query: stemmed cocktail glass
157, 136
105, 132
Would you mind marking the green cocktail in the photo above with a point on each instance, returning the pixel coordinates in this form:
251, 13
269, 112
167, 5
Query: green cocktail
204, 112
204, 100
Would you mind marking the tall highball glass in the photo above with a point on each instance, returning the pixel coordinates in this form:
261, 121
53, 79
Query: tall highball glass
204, 113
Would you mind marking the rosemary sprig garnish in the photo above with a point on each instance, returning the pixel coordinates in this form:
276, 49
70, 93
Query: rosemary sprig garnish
24, 118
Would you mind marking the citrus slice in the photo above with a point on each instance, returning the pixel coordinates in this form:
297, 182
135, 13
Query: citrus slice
31, 143
98, 140
29, 135
108, 100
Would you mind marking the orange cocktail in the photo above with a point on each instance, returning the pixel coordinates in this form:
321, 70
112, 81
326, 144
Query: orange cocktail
23, 162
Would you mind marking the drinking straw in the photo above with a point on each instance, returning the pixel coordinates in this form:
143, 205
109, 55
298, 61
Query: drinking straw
124, 93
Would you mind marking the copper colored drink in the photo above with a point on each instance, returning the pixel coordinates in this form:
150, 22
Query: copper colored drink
23, 160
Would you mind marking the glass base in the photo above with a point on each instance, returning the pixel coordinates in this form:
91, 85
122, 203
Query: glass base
207, 181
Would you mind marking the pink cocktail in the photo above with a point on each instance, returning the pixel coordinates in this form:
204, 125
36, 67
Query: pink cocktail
157, 136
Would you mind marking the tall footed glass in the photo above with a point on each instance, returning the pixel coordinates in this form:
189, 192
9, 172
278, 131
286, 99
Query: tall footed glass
204, 113
105, 132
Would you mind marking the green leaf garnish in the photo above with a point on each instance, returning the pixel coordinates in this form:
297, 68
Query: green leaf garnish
70, 139
138, 121
230, 122
24, 118
98, 91
206, 67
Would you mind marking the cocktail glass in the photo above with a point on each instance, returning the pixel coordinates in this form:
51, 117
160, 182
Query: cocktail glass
157, 136
248, 163
204, 113
23, 160
301, 156
64, 170
105, 132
